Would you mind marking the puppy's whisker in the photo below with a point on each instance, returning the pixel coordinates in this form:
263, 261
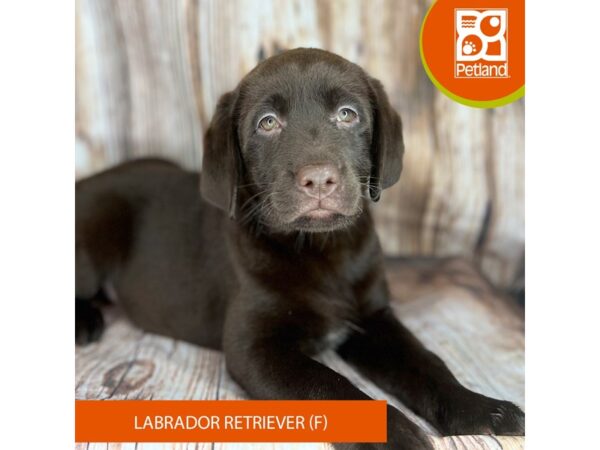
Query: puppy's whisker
252, 197
255, 185
249, 214
299, 241
264, 206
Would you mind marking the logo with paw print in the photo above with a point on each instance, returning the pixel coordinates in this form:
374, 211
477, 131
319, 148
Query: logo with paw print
468, 48
474, 51
481, 43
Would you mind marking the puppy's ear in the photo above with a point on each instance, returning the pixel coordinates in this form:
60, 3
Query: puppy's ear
221, 160
387, 145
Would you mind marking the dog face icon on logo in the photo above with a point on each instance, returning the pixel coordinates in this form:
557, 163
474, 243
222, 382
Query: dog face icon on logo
481, 35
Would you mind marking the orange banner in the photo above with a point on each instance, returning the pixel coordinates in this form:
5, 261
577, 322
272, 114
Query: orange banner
230, 421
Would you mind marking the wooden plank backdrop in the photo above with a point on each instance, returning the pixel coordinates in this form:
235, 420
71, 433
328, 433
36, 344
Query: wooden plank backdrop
149, 74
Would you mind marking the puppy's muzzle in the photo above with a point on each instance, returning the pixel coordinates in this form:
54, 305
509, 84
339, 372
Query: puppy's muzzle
318, 181
321, 186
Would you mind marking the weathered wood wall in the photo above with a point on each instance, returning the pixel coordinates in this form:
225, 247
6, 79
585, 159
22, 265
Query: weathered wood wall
149, 74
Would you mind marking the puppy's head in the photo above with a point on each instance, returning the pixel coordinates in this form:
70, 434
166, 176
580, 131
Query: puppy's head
300, 142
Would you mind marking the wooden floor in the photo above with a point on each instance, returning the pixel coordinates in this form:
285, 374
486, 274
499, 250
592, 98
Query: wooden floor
454, 311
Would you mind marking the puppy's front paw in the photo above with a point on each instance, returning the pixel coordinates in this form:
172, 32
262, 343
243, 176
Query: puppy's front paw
477, 414
508, 419
89, 323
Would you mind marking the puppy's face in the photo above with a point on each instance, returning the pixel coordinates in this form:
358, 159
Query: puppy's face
305, 131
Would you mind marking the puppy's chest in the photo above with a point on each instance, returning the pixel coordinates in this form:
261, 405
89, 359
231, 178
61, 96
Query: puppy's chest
319, 297
332, 339
333, 308
333, 317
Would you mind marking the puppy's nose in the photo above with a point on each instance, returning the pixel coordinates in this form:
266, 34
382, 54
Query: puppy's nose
318, 181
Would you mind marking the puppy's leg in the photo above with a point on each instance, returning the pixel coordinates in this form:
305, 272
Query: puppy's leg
269, 365
89, 323
390, 355
103, 234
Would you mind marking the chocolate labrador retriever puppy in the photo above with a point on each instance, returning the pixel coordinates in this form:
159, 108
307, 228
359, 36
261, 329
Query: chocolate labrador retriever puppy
277, 259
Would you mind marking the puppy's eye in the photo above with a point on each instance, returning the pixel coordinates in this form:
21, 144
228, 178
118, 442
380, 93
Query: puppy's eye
347, 115
268, 123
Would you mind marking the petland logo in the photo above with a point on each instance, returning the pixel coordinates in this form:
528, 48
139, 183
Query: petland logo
481, 43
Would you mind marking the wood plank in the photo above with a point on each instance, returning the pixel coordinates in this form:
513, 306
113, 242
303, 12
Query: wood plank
130, 364
102, 100
505, 230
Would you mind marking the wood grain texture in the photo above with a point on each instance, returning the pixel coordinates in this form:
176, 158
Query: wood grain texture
446, 303
149, 75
